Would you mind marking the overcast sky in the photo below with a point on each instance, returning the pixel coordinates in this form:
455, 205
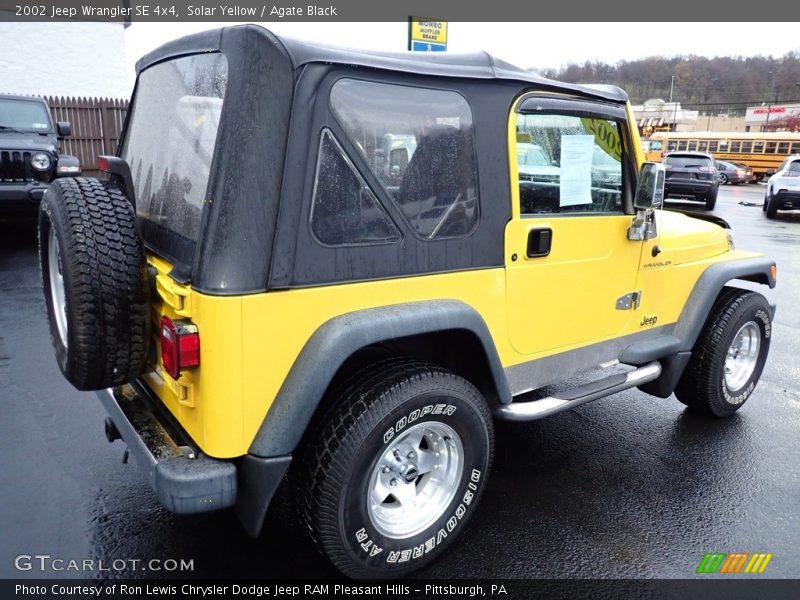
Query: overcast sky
536, 45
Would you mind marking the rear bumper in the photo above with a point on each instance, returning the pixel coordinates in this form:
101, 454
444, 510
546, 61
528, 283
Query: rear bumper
741, 178
786, 200
687, 188
186, 481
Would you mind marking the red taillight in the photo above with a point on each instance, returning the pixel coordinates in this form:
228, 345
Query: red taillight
102, 164
180, 346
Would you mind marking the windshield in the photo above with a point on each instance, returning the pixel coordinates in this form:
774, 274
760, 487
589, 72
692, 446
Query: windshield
688, 162
24, 114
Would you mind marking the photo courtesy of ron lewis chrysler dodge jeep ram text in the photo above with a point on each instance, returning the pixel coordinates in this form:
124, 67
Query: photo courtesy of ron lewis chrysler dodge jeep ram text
337, 268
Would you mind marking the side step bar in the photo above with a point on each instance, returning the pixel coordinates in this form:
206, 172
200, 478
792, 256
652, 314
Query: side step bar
538, 409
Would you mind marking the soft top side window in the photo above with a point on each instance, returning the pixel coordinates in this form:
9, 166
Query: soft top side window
344, 210
419, 144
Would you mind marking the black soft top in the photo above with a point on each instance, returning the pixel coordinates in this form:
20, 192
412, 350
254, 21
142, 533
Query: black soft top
265, 159
477, 65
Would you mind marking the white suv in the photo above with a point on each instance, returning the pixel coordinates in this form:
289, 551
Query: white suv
783, 188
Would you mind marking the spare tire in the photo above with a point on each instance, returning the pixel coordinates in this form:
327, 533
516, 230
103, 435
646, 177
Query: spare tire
95, 281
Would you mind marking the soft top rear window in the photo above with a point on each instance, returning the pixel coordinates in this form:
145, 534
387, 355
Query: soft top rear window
169, 145
687, 162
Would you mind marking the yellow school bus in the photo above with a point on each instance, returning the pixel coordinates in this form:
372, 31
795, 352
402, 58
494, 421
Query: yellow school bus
761, 151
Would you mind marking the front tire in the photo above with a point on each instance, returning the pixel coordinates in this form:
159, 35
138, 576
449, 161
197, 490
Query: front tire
729, 355
388, 478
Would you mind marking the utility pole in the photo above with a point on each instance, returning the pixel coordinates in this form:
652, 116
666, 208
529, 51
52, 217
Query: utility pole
705, 100
775, 95
675, 107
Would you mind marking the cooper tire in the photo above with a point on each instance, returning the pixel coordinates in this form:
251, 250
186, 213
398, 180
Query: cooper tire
95, 282
398, 421
729, 355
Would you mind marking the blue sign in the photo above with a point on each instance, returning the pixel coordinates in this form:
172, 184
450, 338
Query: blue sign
417, 46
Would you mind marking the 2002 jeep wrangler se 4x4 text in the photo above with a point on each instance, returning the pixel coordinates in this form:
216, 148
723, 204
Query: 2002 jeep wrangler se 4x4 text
351, 262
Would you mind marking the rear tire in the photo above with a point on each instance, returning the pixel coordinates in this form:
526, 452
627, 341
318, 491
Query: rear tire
95, 282
770, 207
390, 427
729, 355
723, 179
711, 200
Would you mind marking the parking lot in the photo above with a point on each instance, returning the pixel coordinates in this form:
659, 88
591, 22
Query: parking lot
629, 486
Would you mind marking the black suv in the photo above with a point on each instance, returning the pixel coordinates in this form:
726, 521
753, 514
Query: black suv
692, 175
29, 153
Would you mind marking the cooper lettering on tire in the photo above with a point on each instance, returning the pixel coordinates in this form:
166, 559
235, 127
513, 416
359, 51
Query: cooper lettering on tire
95, 282
389, 477
729, 355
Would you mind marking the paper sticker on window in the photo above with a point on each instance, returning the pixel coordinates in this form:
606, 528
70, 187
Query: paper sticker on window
576, 169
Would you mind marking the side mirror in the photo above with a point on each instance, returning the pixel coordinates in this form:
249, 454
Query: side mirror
770, 172
64, 129
650, 189
68, 166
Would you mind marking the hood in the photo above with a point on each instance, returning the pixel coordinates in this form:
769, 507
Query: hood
11, 140
539, 170
683, 239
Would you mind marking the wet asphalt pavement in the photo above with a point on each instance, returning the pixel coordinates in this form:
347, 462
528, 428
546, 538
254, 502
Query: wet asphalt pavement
629, 486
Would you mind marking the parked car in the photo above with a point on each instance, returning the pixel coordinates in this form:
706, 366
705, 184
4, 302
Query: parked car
691, 175
783, 188
289, 299
533, 165
29, 153
734, 173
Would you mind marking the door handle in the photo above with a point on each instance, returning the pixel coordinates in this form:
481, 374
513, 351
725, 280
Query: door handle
539, 242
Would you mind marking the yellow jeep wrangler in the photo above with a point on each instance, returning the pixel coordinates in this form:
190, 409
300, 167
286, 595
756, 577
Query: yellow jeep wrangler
341, 266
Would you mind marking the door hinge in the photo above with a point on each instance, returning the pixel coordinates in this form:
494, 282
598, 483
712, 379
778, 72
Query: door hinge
630, 301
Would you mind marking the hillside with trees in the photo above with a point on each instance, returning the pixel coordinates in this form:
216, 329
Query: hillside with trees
700, 83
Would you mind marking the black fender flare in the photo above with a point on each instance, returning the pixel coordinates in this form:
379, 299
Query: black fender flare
675, 350
337, 339
708, 287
